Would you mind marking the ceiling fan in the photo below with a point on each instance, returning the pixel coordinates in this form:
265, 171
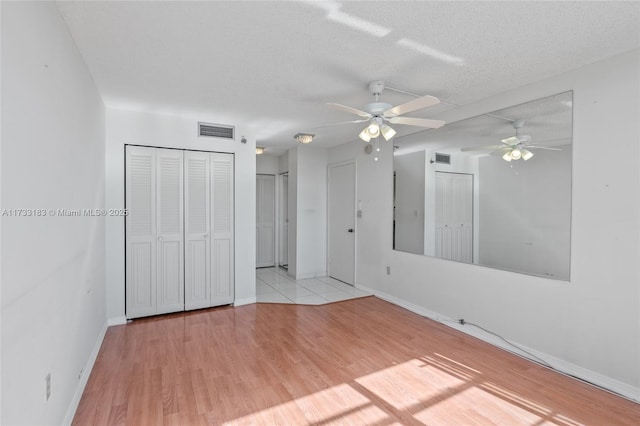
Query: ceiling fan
512, 148
377, 113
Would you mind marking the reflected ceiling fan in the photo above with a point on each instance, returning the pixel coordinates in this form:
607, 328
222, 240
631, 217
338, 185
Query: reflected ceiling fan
377, 113
512, 148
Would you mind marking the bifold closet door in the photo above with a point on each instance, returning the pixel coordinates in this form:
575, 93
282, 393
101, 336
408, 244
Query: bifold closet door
209, 276
154, 231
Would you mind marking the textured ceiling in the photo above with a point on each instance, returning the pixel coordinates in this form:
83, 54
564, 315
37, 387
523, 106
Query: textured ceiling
273, 66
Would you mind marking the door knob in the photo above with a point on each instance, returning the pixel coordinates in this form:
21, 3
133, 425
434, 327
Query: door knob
350, 230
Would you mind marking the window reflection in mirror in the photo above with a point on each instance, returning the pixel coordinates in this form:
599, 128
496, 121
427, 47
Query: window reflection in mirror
498, 194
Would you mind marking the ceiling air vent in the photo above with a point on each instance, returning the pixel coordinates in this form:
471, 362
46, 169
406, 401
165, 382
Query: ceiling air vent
215, 131
443, 158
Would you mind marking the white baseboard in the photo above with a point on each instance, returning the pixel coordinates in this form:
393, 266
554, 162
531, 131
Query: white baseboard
117, 321
86, 372
246, 301
557, 364
307, 276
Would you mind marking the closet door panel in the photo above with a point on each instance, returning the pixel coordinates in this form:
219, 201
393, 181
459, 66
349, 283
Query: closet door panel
222, 229
170, 250
140, 227
197, 230
265, 220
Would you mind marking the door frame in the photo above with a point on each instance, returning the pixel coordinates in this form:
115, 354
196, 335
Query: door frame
355, 215
282, 262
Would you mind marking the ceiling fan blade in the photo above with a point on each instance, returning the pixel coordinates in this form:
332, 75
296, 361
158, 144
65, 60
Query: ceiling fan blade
414, 105
481, 148
500, 152
340, 123
355, 111
421, 122
513, 140
542, 147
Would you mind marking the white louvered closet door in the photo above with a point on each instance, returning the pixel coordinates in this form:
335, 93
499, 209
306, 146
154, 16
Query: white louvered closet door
141, 232
454, 216
222, 241
170, 245
265, 220
179, 231
197, 230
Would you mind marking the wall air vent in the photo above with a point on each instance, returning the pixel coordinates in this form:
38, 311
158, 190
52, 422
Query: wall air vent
216, 131
443, 158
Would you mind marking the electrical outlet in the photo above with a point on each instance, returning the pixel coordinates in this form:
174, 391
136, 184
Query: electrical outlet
388, 270
47, 387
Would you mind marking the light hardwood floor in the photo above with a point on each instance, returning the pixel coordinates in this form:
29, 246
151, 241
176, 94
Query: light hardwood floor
361, 362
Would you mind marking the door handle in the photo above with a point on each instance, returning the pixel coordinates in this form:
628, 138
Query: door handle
350, 230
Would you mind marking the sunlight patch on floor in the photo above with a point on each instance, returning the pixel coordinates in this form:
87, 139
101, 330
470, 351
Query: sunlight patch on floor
410, 383
340, 403
432, 390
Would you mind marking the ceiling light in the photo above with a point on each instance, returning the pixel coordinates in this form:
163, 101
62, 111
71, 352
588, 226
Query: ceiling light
259, 150
364, 135
526, 154
507, 156
373, 130
387, 132
516, 154
304, 138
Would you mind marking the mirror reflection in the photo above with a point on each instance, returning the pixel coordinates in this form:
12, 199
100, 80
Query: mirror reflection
492, 190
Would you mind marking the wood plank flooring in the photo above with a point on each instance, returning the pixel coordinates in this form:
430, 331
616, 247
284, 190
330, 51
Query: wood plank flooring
361, 362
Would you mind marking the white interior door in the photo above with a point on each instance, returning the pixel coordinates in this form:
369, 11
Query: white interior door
197, 230
341, 229
222, 241
454, 216
284, 221
140, 227
265, 220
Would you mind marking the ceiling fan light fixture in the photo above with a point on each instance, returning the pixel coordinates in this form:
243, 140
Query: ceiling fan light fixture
507, 156
526, 154
304, 138
364, 135
387, 132
373, 130
516, 154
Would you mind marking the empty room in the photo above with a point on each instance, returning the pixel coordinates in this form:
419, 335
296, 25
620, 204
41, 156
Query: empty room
320, 212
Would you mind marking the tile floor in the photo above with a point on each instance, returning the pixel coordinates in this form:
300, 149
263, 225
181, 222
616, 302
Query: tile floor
273, 285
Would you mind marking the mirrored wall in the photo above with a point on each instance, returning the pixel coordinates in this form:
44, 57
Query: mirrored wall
492, 190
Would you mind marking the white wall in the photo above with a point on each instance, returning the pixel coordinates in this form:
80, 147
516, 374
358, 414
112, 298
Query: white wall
138, 128
525, 213
53, 294
267, 164
307, 211
409, 203
592, 324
